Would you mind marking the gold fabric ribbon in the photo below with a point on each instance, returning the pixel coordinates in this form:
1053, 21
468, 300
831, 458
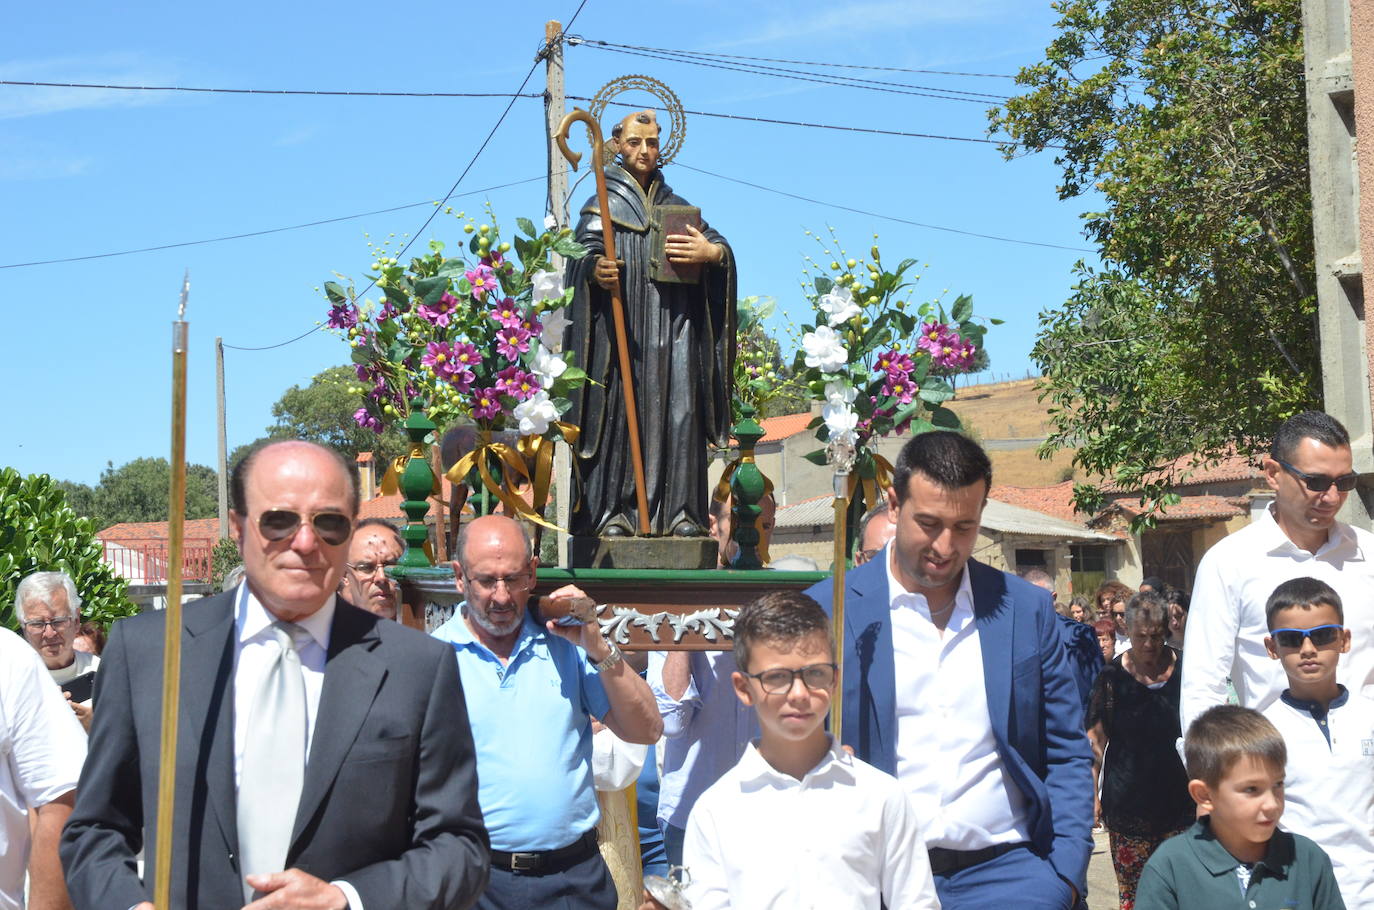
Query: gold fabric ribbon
391, 480
873, 486
530, 454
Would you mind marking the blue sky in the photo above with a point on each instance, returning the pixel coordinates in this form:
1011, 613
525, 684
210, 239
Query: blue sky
84, 172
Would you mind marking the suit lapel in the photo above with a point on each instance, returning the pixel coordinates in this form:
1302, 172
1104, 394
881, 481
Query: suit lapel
207, 669
992, 610
352, 676
870, 707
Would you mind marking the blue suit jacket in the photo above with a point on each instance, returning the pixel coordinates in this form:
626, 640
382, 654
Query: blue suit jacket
1037, 717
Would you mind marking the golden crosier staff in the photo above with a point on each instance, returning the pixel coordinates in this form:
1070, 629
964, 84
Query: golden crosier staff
617, 308
171, 654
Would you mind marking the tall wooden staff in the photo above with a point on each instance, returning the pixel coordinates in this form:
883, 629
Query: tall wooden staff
171, 653
841, 455
617, 308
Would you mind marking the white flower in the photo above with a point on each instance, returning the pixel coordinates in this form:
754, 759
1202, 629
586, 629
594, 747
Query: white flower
841, 421
547, 365
840, 394
839, 306
535, 414
555, 321
550, 222
823, 349
547, 286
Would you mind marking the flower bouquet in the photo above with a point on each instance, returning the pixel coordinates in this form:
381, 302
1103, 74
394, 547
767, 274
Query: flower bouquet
877, 362
473, 339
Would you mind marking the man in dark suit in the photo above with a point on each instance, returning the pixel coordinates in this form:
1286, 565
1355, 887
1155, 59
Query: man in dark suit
384, 812
955, 681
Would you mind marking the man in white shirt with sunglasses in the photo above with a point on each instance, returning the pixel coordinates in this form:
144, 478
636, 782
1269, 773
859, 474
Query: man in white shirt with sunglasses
1310, 468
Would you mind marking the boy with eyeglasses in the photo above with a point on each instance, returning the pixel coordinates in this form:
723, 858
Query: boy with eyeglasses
1329, 732
800, 822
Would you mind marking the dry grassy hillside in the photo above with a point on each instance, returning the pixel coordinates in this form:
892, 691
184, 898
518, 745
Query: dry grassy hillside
1011, 424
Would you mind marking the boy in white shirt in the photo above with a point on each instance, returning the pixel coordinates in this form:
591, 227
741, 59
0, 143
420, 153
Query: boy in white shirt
1329, 732
800, 822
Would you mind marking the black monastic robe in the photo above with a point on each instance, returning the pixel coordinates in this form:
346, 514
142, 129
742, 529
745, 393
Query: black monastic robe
682, 353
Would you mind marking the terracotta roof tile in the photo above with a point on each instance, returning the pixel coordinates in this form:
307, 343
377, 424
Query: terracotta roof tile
193, 529
1056, 500
1229, 468
788, 425
1193, 507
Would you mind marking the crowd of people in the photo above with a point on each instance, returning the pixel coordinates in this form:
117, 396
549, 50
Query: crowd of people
330, 757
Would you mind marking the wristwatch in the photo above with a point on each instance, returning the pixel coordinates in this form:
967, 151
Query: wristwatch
610, 660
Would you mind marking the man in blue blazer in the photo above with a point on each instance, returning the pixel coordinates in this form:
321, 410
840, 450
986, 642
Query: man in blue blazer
956, 682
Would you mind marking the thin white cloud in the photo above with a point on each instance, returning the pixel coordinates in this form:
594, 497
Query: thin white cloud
112, 69
297, 136
793, 24
36, 168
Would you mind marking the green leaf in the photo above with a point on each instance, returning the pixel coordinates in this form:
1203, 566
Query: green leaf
335, 292
569, 248
963, 308
429, 290
945, 419
817, 457
527, 226
823, 285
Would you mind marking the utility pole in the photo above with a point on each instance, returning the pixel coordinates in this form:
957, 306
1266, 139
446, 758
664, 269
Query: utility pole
554, 109
223, 443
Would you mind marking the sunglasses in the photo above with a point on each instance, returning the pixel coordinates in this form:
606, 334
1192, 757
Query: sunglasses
1321, 636
331, 527
1320, 483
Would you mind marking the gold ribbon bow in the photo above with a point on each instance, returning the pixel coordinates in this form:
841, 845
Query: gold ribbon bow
391, 480
875, 485
530, 453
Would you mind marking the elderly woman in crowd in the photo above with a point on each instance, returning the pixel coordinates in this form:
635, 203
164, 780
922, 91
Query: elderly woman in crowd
1133, 724
1106, 638
1111, 600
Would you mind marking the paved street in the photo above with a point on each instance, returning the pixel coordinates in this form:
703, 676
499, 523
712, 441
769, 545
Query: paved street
1101, 878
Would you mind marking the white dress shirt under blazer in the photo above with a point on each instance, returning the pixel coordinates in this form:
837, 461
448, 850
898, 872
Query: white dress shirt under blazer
947, 757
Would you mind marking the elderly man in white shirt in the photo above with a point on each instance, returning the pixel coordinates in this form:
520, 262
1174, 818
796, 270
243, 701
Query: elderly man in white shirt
1310, 469
49, 611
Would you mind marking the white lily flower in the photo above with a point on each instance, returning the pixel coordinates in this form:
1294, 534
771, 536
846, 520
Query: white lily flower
824, 350
555, 322
839, 306
841, 421
550, 222
547, 365
535, 414
547, 286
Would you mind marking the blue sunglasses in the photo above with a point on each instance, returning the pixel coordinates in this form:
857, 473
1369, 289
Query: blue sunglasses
1320, 635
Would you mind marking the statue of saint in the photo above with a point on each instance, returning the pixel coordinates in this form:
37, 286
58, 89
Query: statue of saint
682, 350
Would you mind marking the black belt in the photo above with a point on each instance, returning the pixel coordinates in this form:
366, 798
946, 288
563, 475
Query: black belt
544, 862
946, 862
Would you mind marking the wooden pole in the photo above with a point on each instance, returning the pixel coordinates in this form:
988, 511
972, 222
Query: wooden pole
617, 308
171, 654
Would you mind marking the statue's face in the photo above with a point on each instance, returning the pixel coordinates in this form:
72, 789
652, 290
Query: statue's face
639, 149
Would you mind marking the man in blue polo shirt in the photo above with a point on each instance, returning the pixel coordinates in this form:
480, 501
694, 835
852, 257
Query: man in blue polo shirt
531, 692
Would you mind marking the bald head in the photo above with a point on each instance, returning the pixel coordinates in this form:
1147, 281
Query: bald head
487, 532
238, 476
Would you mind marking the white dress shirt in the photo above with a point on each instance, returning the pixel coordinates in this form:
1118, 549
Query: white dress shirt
1226, 625
946, 756
844, 836
42, 747
1328, 788
254, 650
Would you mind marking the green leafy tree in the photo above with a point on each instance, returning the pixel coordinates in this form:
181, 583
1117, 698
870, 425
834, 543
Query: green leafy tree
323, 412
138, 491
1197, 334
39, 532
762, 378
223, 559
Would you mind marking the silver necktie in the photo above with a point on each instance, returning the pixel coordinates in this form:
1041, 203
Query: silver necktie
273, 760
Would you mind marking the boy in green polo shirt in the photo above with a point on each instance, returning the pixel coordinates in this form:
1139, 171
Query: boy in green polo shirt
1235, 856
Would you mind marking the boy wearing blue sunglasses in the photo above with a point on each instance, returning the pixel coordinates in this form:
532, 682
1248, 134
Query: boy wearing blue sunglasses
1329, 732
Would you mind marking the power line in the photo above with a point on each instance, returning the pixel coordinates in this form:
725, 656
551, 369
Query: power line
262, 91
796, 75
818, 126
500, 120
277, 230
853, 66
836, 205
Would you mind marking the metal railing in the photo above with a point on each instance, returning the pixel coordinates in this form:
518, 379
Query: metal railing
145, 561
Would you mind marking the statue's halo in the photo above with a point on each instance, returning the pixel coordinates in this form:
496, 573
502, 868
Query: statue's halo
677, 128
